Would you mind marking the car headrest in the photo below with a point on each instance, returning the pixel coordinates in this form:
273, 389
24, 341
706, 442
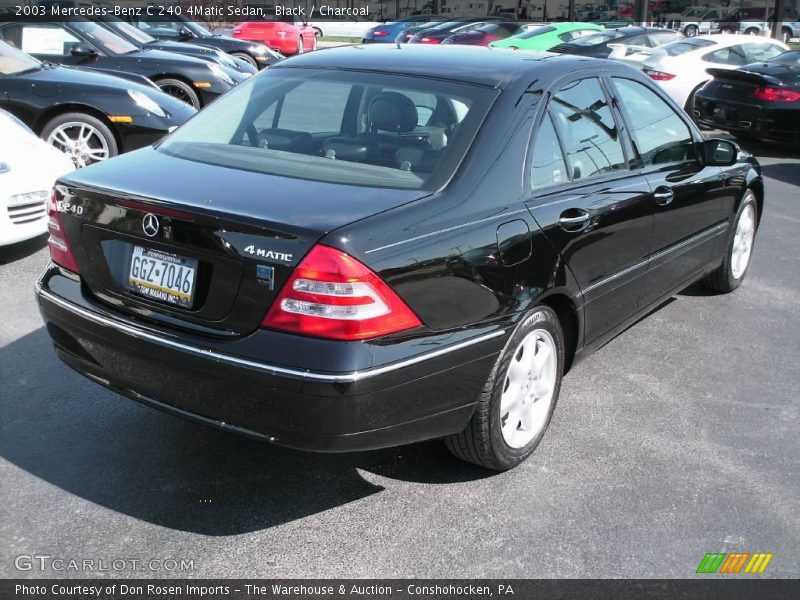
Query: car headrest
393, 112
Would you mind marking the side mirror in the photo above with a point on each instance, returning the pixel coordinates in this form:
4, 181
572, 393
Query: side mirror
720, 153
82, 51
185, 34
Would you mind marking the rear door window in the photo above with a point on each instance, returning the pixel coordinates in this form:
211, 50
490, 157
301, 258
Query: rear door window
761, 52
590, 134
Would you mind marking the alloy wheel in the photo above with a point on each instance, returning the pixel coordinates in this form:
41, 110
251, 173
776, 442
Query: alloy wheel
743, 242
84, 144
528, 389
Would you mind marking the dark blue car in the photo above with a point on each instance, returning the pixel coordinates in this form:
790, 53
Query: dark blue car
388, 32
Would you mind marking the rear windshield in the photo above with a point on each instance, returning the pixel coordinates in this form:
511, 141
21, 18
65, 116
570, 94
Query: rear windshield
534, 32
787, 58
684, 46
598, 38
344, 127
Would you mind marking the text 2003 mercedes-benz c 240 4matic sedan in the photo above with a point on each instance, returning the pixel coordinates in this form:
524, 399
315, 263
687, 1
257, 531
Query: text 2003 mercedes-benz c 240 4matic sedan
371, 246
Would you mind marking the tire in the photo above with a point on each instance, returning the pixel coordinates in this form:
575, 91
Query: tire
317, 32
485, 440
180, 90
300, 47
690, 31
314, 44
752, 31
100, 145
786, 35
689, 106
730, 274
245, 57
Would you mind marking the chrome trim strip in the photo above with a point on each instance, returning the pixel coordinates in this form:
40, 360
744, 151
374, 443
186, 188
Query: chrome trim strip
316, 376
712, 231
447, 230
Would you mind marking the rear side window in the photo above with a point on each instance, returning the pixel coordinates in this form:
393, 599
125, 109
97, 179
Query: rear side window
369, 129
733, 55
761, 52
659, 134
547, 162
588, 129
682, 47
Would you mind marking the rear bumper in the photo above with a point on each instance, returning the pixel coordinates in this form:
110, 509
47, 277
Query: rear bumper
426, 396
775, 124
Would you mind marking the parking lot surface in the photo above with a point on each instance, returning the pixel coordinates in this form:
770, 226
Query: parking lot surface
680, 437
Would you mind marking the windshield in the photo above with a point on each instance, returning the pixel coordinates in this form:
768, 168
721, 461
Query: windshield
131, 32
788, 58
107, 40
534, 32
196, 29
368, 129
684, 46
598, 38
14, 62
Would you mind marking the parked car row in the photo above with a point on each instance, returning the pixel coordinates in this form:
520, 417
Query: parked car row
681, 62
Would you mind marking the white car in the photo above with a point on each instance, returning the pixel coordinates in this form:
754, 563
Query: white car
28, 168
680, 67
694, 20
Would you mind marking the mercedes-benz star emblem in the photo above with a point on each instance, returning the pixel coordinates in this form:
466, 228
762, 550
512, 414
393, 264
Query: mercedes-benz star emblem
150, 225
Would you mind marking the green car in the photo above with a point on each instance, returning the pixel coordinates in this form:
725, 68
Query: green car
545, 37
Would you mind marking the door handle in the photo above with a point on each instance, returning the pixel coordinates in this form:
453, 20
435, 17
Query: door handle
574, 219
663, 195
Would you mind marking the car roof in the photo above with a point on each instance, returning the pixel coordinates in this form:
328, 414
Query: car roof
733, 39
493, 67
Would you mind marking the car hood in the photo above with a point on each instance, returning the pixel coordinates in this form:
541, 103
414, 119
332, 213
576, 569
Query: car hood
84, 78
165, 57
298, 203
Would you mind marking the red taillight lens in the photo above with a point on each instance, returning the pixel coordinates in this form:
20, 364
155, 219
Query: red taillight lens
427, 40
774, 94
332, 295
658, 75
60, 251
380, 33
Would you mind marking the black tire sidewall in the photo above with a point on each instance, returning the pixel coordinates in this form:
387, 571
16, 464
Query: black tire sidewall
542, 317
196, 103
246, 57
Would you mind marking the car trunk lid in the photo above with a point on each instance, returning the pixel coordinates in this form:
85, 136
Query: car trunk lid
235, 235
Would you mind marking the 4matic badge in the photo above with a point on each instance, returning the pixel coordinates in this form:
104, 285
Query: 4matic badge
271, 254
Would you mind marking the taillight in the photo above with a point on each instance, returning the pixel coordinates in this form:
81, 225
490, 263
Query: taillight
427, 40
658, 75
380, 33
60, 251
774, 94
332, 295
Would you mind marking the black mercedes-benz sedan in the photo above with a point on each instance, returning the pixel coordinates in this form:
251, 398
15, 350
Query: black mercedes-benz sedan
374, 245
90, 116
760, 100
85, 44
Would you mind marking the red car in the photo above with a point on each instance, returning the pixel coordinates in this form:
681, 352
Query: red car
287, 36
484, 35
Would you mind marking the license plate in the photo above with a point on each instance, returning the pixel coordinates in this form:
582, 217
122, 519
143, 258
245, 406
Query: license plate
725, 113
162, 276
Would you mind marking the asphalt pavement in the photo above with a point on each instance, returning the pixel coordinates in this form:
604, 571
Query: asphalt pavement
679, 437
